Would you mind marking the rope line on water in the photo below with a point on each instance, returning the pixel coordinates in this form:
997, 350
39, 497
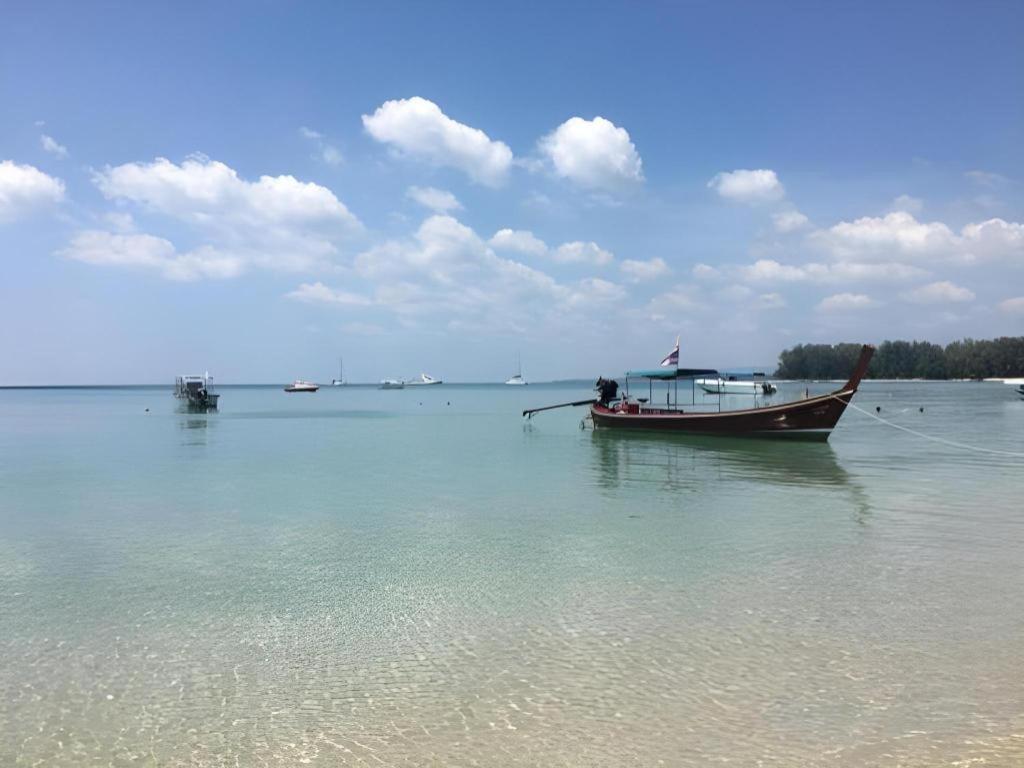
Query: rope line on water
943, 440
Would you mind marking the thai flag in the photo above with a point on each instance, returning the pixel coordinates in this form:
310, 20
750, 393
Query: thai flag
673, 357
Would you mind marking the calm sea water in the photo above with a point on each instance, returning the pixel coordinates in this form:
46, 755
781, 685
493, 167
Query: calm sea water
419, 577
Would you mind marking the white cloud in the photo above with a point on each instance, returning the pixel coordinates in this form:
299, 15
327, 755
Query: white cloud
328, 153
362, 329
908, 204
900, 234
1013, 306
594, 154
842, 302
769, 270
748, 186
51, 145
519, 241
895, 233
437, 200
418, 128
446, 272
24, 187
993, 239
148, 252
943, 292
639, 271
578, 252
318, 293
706, 272
789, 221
277, 222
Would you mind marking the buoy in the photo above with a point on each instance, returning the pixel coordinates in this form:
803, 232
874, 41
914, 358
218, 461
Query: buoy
878, 409
921, 409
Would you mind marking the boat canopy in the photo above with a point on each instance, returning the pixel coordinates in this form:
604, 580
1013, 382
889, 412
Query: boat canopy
671, 373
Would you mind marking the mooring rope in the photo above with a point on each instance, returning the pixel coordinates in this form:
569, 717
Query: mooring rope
933, 438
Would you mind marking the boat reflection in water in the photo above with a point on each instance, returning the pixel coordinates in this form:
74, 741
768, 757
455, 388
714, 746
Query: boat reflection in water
695, 463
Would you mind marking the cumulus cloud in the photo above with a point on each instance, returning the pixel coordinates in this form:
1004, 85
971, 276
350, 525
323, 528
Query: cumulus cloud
843, 302
746, 186
593, 154
789, 221
575, 252
277, 221
318, 293
943, 292
437, 200
1014, 306
418, 128
639, 271
24, 188
518, 241
900, 234
578, 252
150, 253
446, 271
51, 145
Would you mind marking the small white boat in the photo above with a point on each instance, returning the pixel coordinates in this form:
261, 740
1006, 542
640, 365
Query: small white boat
197, 390
733, 386
302, 386
340, 381
517, 380
392, 384
423, 381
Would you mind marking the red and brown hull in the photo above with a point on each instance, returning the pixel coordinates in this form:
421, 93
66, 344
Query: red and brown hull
810, 419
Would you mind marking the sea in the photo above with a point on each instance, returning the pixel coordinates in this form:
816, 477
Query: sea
422, 577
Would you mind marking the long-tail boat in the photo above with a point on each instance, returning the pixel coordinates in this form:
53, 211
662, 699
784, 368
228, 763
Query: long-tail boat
812, 418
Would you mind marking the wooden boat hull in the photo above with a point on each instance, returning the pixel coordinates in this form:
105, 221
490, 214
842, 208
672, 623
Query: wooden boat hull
811, 419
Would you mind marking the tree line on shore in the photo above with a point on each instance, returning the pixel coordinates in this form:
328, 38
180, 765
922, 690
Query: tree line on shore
966, 359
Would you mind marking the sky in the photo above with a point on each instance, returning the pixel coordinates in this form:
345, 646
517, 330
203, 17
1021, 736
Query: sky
256, 189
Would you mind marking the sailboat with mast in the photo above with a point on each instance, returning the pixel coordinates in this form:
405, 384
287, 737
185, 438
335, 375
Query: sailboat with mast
517, 380
340, 381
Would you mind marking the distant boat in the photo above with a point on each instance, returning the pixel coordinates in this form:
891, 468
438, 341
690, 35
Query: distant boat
517, 380
423, 381
340, 381
302, 386
392, 384
197, 390
731, 386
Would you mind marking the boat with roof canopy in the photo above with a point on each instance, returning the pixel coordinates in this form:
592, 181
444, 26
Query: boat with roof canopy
811, 418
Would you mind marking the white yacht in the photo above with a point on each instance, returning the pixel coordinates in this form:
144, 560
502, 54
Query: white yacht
517, 380
732, 386
423, 381
302, 386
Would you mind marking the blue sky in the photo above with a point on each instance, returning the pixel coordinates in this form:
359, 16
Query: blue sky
257, 188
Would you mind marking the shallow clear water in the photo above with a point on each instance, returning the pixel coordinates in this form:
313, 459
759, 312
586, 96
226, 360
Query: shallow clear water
418, 577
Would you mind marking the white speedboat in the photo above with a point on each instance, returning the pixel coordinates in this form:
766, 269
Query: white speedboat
732, 386
302, 386
392, 384
423, 381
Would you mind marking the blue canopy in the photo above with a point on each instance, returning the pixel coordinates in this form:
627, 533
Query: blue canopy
671, 373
